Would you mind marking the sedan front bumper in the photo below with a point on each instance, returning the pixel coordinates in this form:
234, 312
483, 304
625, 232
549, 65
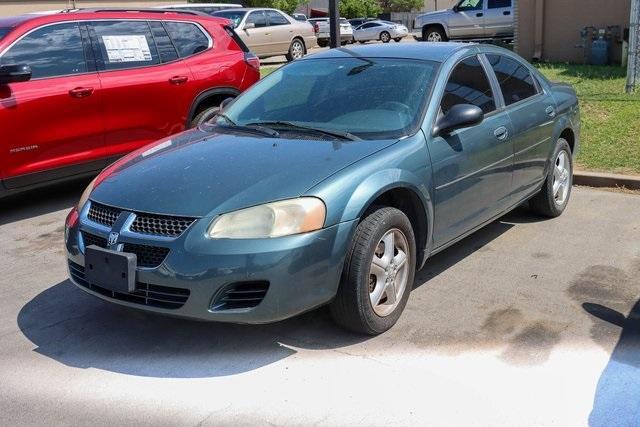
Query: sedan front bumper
299, 272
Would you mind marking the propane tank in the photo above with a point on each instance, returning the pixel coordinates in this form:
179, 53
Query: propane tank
600, 50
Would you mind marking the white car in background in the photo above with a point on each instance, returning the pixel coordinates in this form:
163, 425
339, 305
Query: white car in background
321, 28
384, 31
207, 8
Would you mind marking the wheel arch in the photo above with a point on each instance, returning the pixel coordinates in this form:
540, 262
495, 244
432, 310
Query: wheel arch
208, 98
402, 190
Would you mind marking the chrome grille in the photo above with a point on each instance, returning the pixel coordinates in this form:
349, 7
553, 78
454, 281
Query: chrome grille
102, 214
160, 225
145, 293
147, 256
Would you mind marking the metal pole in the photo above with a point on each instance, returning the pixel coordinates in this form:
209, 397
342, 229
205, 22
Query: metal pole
633, 64
334, 26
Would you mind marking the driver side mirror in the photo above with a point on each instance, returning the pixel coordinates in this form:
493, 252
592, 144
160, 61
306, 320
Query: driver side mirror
459, 116
225, 103
249, 25
14, 73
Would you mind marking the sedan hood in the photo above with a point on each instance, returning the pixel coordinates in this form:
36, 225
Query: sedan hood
200, 173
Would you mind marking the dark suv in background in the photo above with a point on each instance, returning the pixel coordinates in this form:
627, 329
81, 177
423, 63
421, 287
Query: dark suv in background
81, 88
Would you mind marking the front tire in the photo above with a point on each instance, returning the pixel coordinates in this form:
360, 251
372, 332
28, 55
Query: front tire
434, 34
296, 50
385, 37
397, 39
378, 273
554, 195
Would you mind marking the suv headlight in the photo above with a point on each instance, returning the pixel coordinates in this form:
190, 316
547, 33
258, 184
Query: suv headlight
283, 218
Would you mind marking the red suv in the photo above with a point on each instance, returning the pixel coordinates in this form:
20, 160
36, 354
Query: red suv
79, 89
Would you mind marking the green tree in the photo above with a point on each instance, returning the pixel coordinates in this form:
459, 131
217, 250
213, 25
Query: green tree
287, 6
401, 5
359, 8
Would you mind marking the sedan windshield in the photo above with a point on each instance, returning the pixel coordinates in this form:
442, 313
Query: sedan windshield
367, 98
234, 15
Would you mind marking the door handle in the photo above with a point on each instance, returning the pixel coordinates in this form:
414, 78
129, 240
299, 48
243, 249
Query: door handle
178, 80
506, 12
551, 112
479, 14
81, 92
501, 133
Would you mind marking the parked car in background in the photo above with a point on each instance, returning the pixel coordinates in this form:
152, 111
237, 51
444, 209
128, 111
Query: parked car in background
271, 32
467, 20
384, 31
321, 27
208, 8
79, 89
330, 181
299, 16
356, 22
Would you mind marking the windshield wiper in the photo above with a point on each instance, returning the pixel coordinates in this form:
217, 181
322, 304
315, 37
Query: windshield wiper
293, 125
250, 127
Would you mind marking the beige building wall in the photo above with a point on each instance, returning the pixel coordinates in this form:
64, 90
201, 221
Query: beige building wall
10, 8
431, 5
549, 30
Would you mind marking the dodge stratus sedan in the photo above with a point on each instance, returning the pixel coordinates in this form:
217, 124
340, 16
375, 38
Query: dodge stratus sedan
331, 181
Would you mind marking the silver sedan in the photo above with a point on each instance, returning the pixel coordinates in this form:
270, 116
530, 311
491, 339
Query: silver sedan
384, 31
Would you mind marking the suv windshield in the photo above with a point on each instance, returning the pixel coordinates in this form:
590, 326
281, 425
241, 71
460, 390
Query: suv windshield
369, 98
4, 31
234, 15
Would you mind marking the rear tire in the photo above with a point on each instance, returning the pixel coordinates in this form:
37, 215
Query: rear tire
323, 43
434, 34
204, 116
554, 195
377, 268
385, 37
296, 50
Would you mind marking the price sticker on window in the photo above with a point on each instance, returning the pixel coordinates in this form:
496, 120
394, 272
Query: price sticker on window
127, 48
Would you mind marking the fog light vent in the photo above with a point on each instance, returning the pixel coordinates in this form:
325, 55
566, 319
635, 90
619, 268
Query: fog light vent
240, 295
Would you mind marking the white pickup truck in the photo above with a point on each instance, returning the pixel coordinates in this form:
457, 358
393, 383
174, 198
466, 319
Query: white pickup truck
321, 27
467, 20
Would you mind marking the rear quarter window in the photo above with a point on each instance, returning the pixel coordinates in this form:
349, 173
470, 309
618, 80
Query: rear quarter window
188, 38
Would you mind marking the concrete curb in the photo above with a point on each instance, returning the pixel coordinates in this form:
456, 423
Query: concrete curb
600, 179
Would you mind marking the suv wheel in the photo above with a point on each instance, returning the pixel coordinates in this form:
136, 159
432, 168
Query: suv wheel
296, 50
204, 116
434, 34
385, 37
378, 273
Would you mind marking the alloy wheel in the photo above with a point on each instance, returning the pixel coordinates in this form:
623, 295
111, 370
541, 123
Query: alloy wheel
385, 37
434, 36
561, 178
297, 50
389, 272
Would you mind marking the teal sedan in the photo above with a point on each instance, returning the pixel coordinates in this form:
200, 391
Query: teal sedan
331, 181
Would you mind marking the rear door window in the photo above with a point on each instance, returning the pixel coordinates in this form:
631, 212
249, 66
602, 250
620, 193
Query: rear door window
468, 84
276, 18
124, 44
514, 78
188, 38
50, 51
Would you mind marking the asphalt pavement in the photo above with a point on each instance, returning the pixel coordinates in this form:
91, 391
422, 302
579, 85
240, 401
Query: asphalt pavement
527, 322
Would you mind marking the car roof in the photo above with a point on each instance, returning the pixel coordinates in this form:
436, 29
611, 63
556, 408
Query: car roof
103, 13
432, 51
188, 5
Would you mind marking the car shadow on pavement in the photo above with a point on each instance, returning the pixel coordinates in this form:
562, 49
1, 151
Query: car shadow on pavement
617, 398
82, 331
41, 201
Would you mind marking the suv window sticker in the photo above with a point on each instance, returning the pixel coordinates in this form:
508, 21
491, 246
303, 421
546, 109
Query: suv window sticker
127, 48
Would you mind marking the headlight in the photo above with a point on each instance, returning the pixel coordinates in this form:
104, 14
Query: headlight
86, 194
275, 219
